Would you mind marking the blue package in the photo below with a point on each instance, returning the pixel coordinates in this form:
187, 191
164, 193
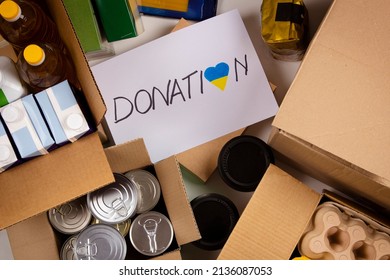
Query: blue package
38, 121
22, 130
197, 10
51, 118
62, 112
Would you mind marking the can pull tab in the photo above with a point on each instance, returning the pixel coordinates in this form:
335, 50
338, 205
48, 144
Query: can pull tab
87, 251
119, 207
150, 226
64, 209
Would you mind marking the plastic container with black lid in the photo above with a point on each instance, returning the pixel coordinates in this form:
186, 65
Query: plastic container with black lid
216, 216
243, 161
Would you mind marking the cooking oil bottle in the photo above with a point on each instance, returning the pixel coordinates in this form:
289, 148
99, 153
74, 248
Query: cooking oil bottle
43, 65
24, 22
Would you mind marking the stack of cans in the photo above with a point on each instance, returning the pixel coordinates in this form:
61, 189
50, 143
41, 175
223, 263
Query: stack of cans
98, 224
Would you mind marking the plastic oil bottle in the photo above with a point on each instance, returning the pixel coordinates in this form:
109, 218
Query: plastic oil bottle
43, 65
24, 22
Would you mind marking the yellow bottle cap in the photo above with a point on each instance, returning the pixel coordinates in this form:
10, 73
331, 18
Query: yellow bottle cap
34, 54
10, 11
301, 258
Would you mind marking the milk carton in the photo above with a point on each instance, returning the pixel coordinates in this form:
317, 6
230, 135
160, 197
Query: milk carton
22, 129
7, 153
62, 112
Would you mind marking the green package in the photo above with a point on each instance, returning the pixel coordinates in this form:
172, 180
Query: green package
116, 19
83, 18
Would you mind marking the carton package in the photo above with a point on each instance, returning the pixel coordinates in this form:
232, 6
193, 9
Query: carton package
35, 238
67, 172
333, 122
278, 215
88, 31
188, 9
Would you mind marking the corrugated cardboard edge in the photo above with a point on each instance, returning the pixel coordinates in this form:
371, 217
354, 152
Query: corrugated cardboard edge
33, 239
274, 219
83, 164
370, 216
329, 169
128, 156
180, 210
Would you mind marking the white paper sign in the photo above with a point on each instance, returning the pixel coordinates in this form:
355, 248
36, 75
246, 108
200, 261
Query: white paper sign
186, 88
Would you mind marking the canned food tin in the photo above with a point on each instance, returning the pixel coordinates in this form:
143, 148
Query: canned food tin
149, 189
100, 242
151, 233
70, 217
114, 203
68, 249
122, 227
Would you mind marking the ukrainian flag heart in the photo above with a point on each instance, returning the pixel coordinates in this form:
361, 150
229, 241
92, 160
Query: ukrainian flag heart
218, 75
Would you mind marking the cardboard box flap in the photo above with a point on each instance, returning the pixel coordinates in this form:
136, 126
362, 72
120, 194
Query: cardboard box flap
364, 187
84, 74
128, 156
338, 99
33, 239
274, 219
202, 160
45, 182
179, 209
379, 220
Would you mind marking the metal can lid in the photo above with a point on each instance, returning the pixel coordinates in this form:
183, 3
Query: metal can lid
243, 161
68, 249
100, 242
151, 233
70, 217
122, 227
115, 202
216, 216
149, 189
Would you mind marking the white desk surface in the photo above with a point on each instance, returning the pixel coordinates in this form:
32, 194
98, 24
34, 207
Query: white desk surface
280, 73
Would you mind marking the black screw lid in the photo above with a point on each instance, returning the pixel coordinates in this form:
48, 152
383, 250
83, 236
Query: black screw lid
216, 216
243, 161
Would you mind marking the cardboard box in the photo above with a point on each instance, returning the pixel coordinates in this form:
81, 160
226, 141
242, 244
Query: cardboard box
276, 217
333, 122
67, 172
36, 239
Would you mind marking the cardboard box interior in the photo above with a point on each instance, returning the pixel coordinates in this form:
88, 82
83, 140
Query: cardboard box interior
276, 217
333, 122
34, 238
68, 172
